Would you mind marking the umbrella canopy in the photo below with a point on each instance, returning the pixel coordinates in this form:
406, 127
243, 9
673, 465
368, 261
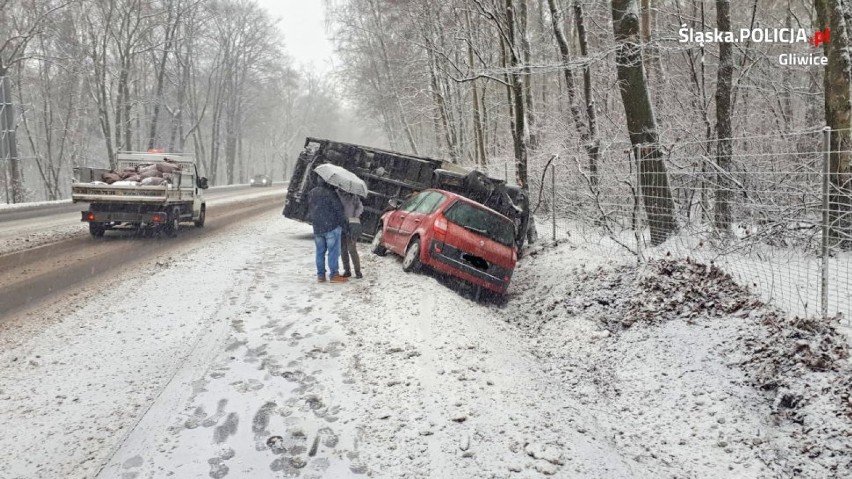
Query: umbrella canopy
342, 178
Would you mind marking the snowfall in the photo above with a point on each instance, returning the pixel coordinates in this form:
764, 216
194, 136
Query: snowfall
226, 359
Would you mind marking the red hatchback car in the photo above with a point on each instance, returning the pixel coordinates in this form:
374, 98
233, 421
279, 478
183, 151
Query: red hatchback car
451, 234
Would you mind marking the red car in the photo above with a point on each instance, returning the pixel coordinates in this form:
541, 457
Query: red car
450, 234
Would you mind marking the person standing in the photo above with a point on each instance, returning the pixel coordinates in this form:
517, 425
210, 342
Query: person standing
328, 221
352, 208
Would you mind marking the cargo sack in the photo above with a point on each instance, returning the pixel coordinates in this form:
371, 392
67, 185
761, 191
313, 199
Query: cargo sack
110, 178
124, 174
167, 167
135, 177
152, 181
148, 170
152, 173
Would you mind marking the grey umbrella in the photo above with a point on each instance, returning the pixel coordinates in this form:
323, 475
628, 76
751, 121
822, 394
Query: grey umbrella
342, 178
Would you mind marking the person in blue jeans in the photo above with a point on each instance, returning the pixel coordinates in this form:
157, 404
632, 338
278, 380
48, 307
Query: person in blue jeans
328, 220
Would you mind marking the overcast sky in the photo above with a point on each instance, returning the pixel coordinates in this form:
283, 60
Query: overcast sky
303, 25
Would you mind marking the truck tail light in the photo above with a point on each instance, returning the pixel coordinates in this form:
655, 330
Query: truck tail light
156, 219
440, 227
90, 217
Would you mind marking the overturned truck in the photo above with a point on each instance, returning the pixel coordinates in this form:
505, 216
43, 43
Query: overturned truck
390, 175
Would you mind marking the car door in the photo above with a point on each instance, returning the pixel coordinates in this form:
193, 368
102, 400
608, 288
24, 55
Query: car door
392, 237
416, 216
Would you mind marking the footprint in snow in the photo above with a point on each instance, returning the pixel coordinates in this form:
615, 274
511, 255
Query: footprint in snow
228, 428
197, 417
218, 468
220, 413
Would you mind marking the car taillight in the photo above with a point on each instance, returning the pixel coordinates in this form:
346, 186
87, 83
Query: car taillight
156, 218
440, 227
91, 217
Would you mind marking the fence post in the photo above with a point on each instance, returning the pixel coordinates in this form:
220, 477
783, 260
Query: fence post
826, 171
553, 198
637, 155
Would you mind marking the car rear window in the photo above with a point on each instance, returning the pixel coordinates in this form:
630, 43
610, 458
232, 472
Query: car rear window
482, 222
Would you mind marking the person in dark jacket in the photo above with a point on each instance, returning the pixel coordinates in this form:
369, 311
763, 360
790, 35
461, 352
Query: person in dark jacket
328, 220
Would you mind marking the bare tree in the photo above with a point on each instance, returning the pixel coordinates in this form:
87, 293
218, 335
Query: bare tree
724, 86
838, 116
18, 27
641, 124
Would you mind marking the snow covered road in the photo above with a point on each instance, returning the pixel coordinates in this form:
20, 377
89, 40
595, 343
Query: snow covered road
227, 360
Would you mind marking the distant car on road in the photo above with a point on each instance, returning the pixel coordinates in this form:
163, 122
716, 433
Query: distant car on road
261, 180
450, 234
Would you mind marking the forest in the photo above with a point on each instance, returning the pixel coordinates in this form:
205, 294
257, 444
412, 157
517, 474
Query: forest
88, 78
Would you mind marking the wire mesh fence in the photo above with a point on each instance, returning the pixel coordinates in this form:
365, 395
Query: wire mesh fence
776, 214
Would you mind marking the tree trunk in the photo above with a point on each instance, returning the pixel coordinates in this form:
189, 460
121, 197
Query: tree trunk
641, 124
9, 147
594, 143
724, 147
565, 54
161, 76
529, 106
521, 129
509, 79
838, 116
478, 131
443, 113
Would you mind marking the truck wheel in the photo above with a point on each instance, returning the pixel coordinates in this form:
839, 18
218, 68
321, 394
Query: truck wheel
199, 223
377, 246
411, 261
173, 224
96, 230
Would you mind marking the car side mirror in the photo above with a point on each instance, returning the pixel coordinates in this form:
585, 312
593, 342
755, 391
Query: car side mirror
201, 182
395, 203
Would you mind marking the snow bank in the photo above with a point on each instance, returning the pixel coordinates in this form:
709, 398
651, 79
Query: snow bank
32, 204
686, 369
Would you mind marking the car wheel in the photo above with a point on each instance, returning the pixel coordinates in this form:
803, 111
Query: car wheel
173, 224
97, 230
377, 246
202, 215
411, 261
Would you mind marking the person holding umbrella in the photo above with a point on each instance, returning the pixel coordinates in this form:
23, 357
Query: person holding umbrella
353, 208
328, 221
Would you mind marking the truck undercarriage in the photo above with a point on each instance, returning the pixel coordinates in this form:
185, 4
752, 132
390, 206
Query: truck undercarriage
391, 175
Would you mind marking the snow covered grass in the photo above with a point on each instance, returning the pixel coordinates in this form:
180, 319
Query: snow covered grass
787, 277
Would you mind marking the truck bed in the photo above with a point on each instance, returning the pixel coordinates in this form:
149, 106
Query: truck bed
87, 189
102, 193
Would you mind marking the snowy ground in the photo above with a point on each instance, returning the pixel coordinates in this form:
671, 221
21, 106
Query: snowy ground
228, 360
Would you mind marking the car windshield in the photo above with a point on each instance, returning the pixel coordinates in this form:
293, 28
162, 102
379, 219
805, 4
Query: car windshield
482, 221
